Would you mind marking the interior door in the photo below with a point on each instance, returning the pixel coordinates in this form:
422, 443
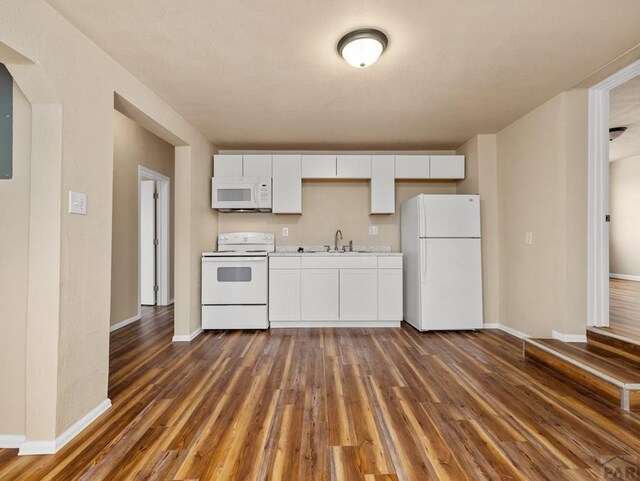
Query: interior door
451, 284
147, 243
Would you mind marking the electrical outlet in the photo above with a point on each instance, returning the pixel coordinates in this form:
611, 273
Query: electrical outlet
77, 203
285, 232
373, 230
528, 238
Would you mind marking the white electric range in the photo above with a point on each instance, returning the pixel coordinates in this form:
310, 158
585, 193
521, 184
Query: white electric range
235, 282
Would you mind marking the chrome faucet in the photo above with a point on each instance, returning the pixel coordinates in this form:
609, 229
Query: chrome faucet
336, 238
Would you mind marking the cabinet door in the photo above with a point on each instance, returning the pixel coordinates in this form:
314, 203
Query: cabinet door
359, 294
227, 165
318, 166
284, 294
383, 184
447, 167
354, 166
256, 165
319, 295
412, 166
390, 294
287, 184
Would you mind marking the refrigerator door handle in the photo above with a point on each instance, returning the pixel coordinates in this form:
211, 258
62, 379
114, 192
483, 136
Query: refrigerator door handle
423, 261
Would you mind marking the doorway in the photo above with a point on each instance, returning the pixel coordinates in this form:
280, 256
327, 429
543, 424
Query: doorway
599, 195
153, 235
624, 199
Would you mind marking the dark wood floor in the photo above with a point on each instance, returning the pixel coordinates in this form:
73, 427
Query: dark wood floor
350, 404
624, 307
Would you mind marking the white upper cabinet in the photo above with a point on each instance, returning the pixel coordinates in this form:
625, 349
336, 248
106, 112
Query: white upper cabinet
318, 166
287, 184
447, 166
354, 166
227, 165
383, 185
256, 165
412, 167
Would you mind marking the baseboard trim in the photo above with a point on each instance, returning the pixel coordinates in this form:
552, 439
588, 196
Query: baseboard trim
52, 447
10, 441
569, 337
126, 322
625, 277
507, 329
187, 337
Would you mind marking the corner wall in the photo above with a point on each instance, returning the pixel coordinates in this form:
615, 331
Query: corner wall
542, 189
481, 178
14, 264
84, 79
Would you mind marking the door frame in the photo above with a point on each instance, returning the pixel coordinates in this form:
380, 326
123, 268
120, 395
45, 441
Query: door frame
163, 264
598, 229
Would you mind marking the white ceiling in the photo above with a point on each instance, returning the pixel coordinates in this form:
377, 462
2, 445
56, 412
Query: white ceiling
624, 111
265, 74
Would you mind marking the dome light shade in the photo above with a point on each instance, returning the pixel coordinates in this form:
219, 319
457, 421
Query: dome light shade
363, 47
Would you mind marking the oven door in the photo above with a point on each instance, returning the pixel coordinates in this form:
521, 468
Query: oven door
234, 280
234, 193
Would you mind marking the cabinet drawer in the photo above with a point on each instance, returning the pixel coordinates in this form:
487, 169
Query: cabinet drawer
284, 262
394, 262
338, 262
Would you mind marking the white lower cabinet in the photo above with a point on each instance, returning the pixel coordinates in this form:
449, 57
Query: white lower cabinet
284, 294
359, 294
390, 294
335, 291
319, 299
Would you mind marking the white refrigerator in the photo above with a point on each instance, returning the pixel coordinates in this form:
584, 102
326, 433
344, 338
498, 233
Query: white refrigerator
442, 262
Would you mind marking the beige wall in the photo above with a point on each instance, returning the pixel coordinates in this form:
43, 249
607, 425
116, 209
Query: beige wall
624, 230
542, 188
133, 146
14, 242
84, 79
328, 206
481, 178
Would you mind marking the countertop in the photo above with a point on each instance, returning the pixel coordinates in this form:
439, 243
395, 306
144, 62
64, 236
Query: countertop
335, 254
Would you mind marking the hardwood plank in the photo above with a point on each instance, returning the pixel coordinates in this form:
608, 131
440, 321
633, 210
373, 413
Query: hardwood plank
339, 404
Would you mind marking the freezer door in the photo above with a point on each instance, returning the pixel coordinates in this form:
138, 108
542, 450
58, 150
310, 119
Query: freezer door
451, 284
450, 216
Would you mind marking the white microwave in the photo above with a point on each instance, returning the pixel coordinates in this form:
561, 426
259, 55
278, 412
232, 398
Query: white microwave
241, 194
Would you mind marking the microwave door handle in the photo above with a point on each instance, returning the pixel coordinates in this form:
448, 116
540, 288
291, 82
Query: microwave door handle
255, 194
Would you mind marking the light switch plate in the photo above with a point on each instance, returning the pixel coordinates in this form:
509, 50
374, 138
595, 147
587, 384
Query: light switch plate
373, 230
77, 203
528, 238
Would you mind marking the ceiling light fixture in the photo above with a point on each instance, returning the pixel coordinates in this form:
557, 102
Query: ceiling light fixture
616, 132
361, 48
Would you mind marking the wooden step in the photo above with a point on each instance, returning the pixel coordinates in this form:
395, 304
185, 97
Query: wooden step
602, 371
616, 340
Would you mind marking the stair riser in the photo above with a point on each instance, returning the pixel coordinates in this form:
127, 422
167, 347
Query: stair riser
627, 349
580, 376
634, 400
